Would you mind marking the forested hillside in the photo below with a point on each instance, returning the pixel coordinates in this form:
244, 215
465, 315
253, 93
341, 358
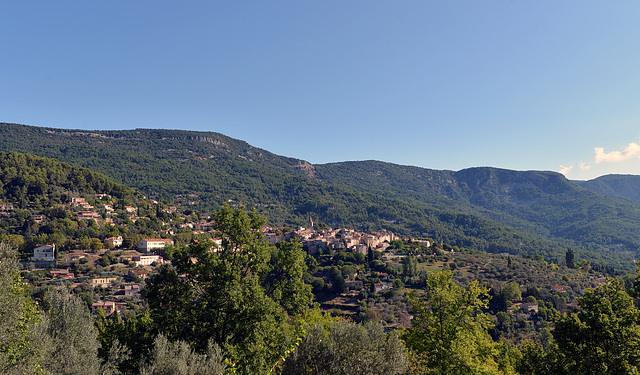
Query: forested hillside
517, 311
623, 186
44, 201
39, 183
536, 202
28, 178
484, 208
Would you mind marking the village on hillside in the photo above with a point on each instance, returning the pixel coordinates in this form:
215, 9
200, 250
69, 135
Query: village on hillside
362, 276
109, 272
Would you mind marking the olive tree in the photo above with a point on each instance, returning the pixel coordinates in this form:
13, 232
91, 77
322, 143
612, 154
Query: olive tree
179, 358
68, 336
19, 350
348, 348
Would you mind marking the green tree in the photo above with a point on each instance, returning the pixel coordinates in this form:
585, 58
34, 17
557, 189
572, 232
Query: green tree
232, 294
68, 336
636, 283
536, 361
19, 351
603, 337
284, 281
131, 338
449, 331
511, 292
409, 267
570, 258
178, 358
348, 348
339, 286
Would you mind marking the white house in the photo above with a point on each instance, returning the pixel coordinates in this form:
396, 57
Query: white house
152, 244
78, 201
114, 241
45, 252
146, 260
103, 281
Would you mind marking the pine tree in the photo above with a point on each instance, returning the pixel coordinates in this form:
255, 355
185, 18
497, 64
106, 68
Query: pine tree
570, 258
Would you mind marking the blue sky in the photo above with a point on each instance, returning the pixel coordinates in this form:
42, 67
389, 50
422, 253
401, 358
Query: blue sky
525, 85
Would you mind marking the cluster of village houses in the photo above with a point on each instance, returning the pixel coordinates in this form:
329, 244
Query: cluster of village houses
313, 241
329, 240
334, 239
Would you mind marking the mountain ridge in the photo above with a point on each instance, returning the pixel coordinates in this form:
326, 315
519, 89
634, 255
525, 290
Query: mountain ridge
407, 199
619, 185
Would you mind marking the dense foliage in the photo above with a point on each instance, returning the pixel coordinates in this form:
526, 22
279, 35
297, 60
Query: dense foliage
484, 208
347, 349
449, 333
254, 294
27, 179
18, 314
207, 170
602, 337
238, 294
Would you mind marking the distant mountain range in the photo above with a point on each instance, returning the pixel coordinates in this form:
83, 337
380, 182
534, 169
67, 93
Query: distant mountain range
623, 186
497, 210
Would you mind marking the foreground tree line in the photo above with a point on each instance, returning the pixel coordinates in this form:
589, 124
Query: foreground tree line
245, 309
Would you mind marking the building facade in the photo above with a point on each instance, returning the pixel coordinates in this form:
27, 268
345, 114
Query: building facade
150, 245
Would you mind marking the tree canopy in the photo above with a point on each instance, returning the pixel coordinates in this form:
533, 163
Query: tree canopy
603, 337
18, 317
238, 294
449, 330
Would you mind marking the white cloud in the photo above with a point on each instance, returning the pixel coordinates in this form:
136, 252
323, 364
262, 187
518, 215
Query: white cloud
632, 150
584, 166
565, 170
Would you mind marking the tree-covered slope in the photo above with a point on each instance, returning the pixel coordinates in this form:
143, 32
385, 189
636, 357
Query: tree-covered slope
486, 208
623, 186
25, 179
537, 202
37, 197
163, 161
285, 197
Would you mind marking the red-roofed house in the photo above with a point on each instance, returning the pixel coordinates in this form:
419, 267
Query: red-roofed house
61, 274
